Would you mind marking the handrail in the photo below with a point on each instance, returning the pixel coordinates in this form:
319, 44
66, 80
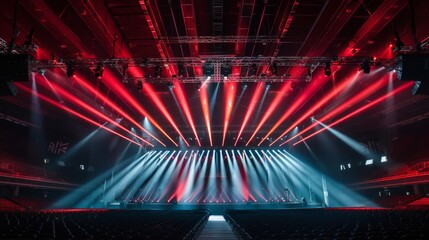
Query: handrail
198, 227
236, 227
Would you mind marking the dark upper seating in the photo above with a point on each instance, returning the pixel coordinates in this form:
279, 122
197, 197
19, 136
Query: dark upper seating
332, 224
101, 224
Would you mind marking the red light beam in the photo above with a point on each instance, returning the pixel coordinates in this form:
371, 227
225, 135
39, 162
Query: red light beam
110, 81
206, 110
257, 94
148, 88
334, 92
271, 108
71, 111
352, 114
350, 102
185, 106
92, 110
231, 89
114, 107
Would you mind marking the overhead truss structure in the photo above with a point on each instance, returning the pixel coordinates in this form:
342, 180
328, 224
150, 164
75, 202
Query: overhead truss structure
215, 61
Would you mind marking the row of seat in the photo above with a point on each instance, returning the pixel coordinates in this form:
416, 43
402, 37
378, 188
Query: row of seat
332, 223
86, 224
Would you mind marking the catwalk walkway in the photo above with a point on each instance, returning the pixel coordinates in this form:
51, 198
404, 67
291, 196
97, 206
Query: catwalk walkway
217, 228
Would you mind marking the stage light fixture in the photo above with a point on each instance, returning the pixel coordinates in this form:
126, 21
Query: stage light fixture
99, 70
139, 85
208, 69
124, 70
182, 70
267, 85
158, 71
273, 68
253, 70
70, 69
328, 70
170, 86
41, 71
365, 67
226, 70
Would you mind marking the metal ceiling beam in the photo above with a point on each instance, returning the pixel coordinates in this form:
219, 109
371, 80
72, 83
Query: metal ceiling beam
212, 60
102, 25
188, 13
55, 25
268, 79
375, 23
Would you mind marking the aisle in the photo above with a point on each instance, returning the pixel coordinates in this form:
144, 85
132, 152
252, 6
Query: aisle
217, 228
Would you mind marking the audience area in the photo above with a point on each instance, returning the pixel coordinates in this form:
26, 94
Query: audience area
331, 224
101, 224
11, 166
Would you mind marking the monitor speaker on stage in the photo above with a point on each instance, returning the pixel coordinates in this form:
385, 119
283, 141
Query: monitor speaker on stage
14, 67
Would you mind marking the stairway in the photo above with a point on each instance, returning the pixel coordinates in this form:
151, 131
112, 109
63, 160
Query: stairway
217, 228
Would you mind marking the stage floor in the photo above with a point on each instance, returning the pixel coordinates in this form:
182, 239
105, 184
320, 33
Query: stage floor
217, 208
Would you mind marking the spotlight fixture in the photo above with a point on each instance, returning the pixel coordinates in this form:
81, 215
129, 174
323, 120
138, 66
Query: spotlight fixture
293, 86
99, 70
267, 85
208, 69
70, 69
41, 71
226, 70
158, 71
253, 69
182, 70
124, 70
328, 70
170, 86
244, 86
365, 67
139, 85
273, 69
399, 44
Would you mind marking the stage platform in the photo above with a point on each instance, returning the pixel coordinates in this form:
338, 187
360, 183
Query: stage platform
218, 208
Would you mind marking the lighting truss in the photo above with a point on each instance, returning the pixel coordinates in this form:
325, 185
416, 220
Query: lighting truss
17, 48
211, 60
217, 78
222, 39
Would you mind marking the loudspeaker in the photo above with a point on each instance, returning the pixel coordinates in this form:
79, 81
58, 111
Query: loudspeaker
412, 67
14, 67
420, 88
7, 88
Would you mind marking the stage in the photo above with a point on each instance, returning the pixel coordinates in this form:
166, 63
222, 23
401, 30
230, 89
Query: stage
214, 208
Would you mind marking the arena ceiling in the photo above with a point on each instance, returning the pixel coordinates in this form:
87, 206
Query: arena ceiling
256, 111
